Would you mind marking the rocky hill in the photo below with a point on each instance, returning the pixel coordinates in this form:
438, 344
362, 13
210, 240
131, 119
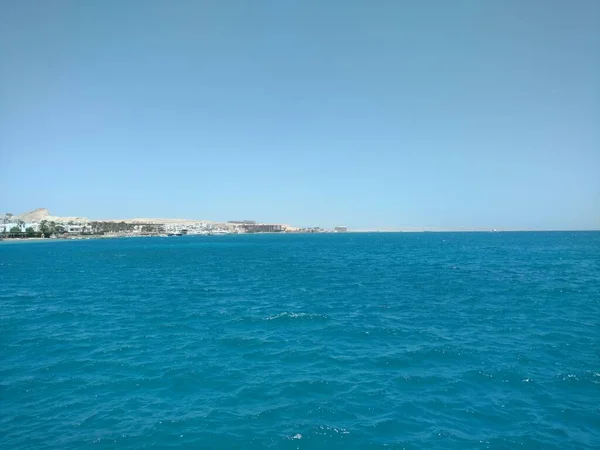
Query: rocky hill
37, 215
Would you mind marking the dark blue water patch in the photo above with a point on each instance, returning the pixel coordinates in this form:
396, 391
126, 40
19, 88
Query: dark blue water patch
402, 340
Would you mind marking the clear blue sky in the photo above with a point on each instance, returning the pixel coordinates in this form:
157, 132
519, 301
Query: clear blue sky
369, 114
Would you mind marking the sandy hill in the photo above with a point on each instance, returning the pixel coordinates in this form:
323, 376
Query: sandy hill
37, 215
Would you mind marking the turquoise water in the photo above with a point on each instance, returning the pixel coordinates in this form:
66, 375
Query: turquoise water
474, 340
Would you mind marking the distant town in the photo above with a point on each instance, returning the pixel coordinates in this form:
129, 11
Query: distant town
40, 224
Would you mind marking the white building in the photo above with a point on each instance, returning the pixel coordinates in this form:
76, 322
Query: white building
34, 225
6, 227
77, 229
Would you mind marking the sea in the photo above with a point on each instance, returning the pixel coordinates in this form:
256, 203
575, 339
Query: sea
302, 341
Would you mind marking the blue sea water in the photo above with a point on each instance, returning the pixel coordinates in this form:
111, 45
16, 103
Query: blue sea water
366, 341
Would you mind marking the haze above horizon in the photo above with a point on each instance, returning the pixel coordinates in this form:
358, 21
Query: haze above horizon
365, 114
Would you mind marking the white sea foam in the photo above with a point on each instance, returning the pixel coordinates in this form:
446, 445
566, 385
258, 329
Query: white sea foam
293, 315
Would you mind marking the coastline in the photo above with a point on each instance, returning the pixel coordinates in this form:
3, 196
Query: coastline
15, 241
87, 238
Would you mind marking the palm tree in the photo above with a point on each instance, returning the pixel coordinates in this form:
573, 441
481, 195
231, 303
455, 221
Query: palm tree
44, 229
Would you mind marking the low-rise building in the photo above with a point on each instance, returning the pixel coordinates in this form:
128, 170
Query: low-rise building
76, 229
6, 227
33, 225
263, 228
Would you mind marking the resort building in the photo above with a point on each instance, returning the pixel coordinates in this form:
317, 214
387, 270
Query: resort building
263, 228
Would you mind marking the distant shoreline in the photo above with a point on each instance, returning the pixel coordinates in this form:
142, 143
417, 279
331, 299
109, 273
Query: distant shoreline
87, 238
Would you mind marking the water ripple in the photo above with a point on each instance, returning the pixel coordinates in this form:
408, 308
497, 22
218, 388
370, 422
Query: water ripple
395, 341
